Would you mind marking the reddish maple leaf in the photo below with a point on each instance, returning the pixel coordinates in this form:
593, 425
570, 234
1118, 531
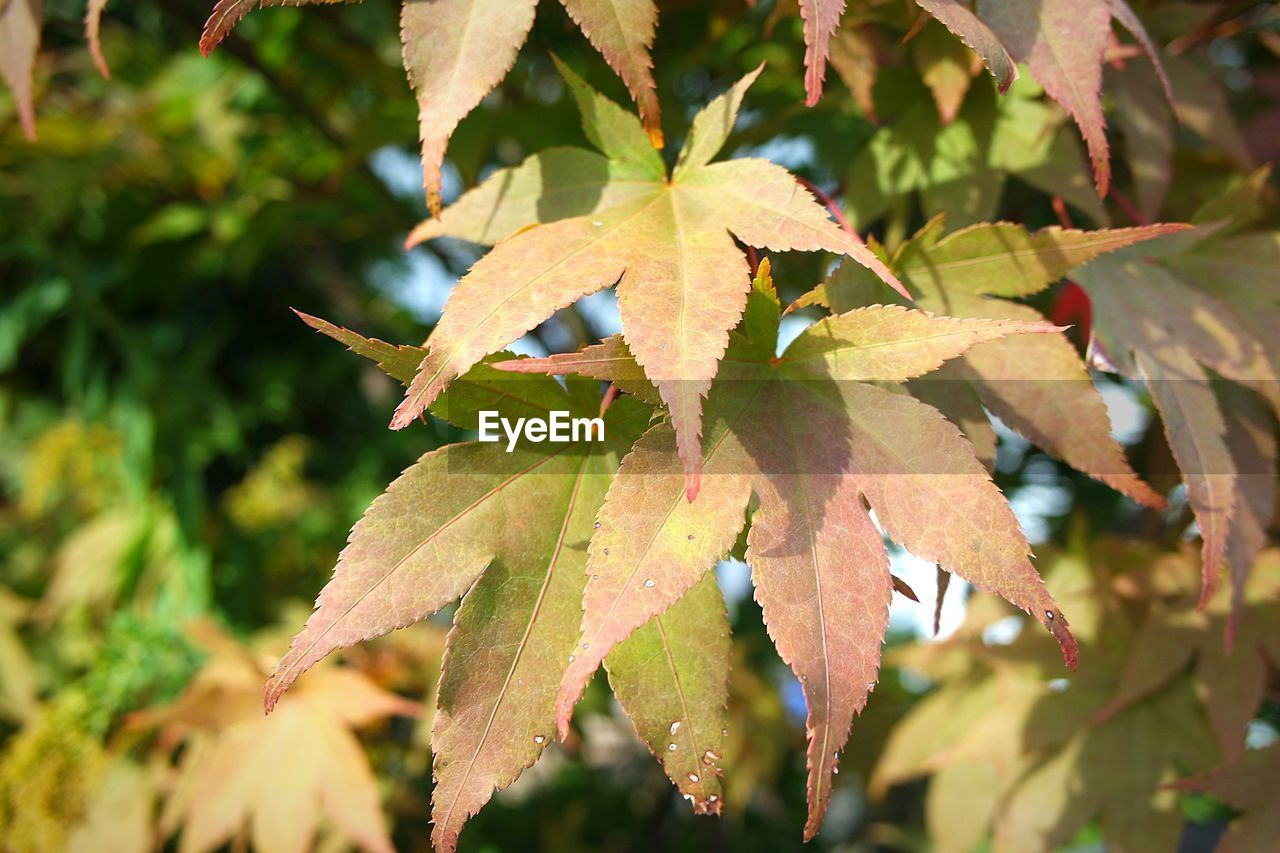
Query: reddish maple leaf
667, 243
815, 444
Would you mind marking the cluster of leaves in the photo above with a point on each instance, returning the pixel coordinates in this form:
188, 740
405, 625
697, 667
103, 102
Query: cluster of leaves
1014, 753
53, 769
682, 282
283, 776
791, 436
1165, 310
1198, 302
20, 27
133, 457
650, 548
800, 459
778, 436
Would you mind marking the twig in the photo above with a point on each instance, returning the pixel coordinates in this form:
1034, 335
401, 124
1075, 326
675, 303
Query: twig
1227, 22
1130, 209
1060, 209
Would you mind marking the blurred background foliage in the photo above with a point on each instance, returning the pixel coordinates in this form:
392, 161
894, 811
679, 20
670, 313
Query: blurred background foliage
181, 459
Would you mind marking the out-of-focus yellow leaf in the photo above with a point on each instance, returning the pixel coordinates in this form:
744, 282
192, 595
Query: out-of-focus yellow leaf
275, 781
17, 673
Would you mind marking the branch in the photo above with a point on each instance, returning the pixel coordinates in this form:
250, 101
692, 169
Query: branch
1130, 209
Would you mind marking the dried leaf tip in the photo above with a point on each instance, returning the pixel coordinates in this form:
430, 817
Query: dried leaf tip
708, 805
903, 588
692, 485
1061, 631
222, 20
271, 693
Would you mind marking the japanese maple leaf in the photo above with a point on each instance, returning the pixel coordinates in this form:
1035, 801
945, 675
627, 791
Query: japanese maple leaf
821, 20
854, 55
225, 15
961, 167
1175, 632
93, 35
957, 17
812, 441
1063, 43
1012, 753
667, 242
20, 22
946, 66
1164, 320
273, 780
507, 531
457, 51
822, 23
1037, 384
1115, 773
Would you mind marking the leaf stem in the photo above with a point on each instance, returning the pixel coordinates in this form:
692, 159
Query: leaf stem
1130, 209
610, 394
1060, 209
831, 206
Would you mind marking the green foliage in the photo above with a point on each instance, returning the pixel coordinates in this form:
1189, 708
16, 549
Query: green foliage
1034, 762
178, 453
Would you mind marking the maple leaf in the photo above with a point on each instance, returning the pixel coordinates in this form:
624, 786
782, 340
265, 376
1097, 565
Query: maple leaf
1147, 125
1107, 770
666, 242
1203, 107
278, 775
119, 810
969, 28
510, 530
1037, 384
20, 22
1191, 304
853, 55
671, 677
961, 168
1251, 439
1063, 43
1175, 633
811, 440
227, 13
946, 66
398, 361
821, 20
610, 361
93, 35
848, 50
18, 690
1028, 759
457, 51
